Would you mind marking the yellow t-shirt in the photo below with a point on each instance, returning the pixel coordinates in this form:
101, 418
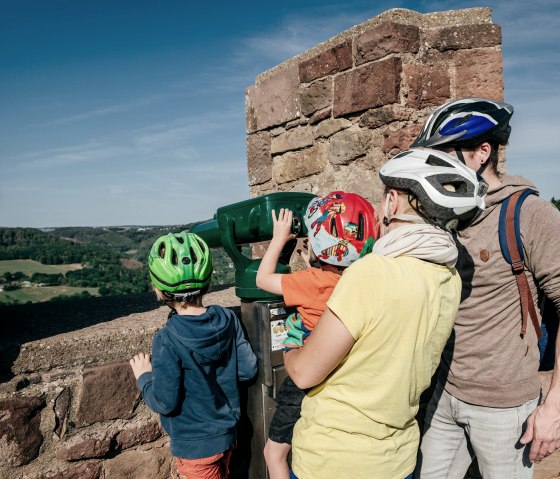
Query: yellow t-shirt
359, 423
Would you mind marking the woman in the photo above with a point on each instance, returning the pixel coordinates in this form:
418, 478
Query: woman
379, 341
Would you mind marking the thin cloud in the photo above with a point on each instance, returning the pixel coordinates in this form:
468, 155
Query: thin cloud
84, 155
295, 35
107, 110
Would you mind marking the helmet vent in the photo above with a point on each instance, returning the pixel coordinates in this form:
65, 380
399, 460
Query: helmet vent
161, 250
186, 260
194, 258
360, 236
436, 161
202, 245
180, 239
174, 258
334, 231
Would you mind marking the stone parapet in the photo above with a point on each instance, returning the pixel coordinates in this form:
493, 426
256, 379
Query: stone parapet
69, 405
383, 78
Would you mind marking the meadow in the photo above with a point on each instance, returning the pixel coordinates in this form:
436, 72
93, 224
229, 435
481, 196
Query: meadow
40, 294
29, 266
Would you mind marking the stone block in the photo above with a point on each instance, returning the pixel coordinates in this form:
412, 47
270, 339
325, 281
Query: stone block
369, 86
273, 101
294, 165
155, 463
316, 96
357, 179
333, 60
259, 158
108, 392
294, 139
20, 433
134, 436
398, 140
348, 145
331, 126
427, 86
549, 467
88, 470
263, 189
93, 445
479, 74
61, 408
301, 121
383, 116
320, 115
462, 37
386, 38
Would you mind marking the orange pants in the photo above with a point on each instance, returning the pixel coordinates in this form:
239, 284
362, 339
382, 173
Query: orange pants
213, 467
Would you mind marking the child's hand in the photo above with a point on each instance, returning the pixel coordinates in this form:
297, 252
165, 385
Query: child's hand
140, 364
282, 225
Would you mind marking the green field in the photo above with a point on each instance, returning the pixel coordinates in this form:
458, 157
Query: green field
28, 267
44, 293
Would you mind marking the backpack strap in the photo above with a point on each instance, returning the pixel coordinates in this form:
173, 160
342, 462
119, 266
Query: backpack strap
512, 249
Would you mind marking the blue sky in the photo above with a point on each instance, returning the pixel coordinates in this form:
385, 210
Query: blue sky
120, 112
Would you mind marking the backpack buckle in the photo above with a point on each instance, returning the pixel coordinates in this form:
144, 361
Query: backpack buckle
518, 267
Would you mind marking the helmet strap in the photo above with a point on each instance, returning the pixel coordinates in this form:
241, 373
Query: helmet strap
180, 297
460, 155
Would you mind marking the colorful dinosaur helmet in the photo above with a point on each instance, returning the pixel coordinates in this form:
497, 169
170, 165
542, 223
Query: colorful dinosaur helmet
342, 227
180, 264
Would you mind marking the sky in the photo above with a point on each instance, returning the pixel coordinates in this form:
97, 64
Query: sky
132, 112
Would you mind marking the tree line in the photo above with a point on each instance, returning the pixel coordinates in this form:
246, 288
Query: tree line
104, 253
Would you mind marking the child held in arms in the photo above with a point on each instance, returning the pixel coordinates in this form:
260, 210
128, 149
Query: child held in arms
197, 359
342, 227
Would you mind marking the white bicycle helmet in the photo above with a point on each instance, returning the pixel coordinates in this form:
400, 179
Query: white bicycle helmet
450, 194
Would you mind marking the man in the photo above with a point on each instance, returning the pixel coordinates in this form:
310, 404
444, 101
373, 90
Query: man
486, 399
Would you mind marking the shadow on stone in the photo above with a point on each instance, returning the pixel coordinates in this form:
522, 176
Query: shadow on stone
30, 322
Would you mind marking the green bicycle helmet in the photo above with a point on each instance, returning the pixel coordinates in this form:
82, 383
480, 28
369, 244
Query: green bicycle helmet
180, 265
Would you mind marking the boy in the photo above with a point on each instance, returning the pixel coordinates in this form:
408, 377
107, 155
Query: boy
341, 228
198, 357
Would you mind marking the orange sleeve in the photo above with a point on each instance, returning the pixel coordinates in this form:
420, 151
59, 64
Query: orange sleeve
299, 288
309, 291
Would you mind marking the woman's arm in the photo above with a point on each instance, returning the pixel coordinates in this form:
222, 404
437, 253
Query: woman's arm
321, 354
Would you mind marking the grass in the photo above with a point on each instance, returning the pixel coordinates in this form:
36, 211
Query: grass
44, 293
28, 267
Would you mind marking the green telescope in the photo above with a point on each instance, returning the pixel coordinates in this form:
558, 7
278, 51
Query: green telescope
250, 221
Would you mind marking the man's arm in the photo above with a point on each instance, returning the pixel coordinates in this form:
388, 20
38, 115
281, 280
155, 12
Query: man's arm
321, 354
543, 426
267, 278
540, 222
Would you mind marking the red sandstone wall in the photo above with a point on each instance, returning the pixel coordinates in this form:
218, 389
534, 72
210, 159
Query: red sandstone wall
329, 118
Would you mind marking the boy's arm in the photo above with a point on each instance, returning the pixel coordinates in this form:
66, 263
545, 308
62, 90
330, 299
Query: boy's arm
246, 359
160, 387
321, 354
267, 278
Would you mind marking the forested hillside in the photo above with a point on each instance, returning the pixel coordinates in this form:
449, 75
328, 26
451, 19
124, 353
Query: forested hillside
113, 260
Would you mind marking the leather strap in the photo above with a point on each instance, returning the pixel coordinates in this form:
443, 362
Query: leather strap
518, 267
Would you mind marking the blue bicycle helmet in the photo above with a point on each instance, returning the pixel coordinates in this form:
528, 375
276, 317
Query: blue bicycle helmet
466, 123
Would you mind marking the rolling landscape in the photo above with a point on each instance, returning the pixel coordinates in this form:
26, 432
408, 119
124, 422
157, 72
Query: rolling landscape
60, 264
